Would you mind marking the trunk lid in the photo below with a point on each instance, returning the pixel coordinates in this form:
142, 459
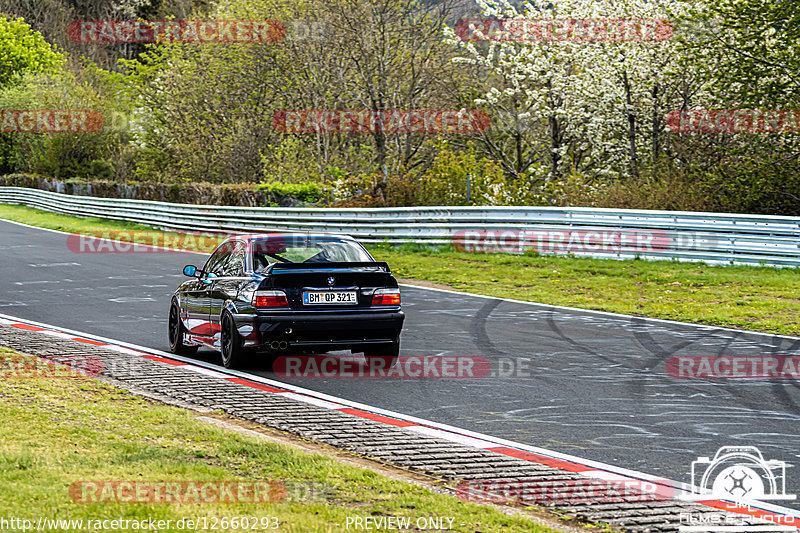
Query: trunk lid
296, 278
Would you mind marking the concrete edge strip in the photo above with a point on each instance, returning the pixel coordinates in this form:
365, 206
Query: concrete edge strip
557, 460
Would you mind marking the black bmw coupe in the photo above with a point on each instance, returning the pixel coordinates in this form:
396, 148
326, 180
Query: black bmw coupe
275, 293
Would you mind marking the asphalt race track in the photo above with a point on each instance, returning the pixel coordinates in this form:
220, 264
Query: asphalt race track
588, 384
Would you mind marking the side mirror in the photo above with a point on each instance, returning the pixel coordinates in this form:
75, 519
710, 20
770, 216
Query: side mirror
189, 270
209, 278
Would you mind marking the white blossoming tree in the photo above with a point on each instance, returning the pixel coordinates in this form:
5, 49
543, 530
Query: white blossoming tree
594, 100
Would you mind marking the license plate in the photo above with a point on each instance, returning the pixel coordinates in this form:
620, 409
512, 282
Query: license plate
330, 297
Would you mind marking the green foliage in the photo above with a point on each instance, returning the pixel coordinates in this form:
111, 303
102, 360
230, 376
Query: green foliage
23, 51
153, 164
749, 187
94, 177
101, 170
305, 192
205, 110
62, 155
754, 43
289, 159
194, 123
461, 178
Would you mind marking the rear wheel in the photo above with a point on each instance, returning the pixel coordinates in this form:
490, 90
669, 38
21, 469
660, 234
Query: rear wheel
385, 356
230, 342
177, 331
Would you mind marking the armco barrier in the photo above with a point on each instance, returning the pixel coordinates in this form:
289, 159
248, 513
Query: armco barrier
603, 233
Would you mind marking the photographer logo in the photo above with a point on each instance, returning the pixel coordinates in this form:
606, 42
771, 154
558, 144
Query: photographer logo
740, 473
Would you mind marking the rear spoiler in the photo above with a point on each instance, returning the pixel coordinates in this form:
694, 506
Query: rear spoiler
287, 268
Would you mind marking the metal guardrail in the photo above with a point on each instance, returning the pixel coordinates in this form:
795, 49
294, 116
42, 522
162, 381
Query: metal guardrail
603, 233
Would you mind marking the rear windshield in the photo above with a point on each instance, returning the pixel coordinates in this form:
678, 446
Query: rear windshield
306, 250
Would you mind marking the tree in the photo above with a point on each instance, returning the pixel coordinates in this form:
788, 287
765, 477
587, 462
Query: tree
755, 42
594, 102
23, 51
750, 58
52, 18
209, 106
631, 84
526, 84
394, 58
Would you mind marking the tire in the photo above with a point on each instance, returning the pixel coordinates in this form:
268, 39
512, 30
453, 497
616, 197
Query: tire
388, 355
230, 342
176, 332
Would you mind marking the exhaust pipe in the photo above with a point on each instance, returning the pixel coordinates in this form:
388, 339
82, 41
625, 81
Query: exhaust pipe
278, 345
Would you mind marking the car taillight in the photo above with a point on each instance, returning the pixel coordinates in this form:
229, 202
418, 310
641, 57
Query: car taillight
386, 297
270, 299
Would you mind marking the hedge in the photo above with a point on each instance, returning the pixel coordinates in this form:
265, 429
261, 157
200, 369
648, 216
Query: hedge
253, 195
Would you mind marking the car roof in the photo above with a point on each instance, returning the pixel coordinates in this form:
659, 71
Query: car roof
290, 235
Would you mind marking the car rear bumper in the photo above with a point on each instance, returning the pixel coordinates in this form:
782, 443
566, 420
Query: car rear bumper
344, 330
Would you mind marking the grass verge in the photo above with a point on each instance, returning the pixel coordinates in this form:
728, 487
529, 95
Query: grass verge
755, 298
746, 297
56, 432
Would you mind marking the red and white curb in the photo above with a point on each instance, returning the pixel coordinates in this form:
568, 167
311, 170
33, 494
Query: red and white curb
557, 460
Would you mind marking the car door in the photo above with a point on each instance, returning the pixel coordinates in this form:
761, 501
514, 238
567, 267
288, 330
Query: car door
194, 305
198, 304
226, 285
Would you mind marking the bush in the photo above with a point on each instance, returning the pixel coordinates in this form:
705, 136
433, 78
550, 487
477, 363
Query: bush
748, 188
666, 192
101, 170
266, 195
453, 178
305, 192
460, 178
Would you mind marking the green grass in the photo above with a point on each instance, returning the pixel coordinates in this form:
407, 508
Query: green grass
749, 297
108, 229
55, 432
755, 298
